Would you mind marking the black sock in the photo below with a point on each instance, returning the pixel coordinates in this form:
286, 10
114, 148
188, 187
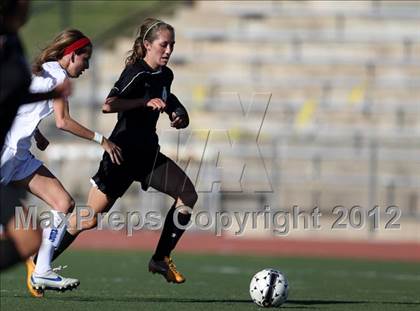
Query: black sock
170, 234
9, 254
68, 238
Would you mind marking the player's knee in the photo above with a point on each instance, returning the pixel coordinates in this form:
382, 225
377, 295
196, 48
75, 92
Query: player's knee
90, 223
183, 214
65, 205
190, 198
182, 207
71, 205
186, 201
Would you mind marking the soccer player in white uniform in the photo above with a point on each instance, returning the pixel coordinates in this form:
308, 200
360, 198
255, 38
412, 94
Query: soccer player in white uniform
67, 56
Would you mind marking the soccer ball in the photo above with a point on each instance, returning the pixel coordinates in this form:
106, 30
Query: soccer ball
269, 288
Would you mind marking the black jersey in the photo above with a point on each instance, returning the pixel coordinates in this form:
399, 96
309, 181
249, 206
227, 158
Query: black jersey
136, 128
15, 79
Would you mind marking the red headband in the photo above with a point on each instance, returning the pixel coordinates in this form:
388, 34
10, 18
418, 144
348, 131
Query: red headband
76, 45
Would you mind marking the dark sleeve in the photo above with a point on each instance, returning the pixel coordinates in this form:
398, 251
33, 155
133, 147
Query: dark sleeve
174, 105
13, 90
14, 82
128, 84
172, 102
15, 77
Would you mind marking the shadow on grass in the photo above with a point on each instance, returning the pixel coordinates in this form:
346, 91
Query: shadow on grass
332, 302
97, 299
303, 304
292, 303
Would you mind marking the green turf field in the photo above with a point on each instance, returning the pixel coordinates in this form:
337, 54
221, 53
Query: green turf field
120, 281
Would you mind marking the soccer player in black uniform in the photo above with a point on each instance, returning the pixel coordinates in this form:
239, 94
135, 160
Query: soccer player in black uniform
15, 244
140, 95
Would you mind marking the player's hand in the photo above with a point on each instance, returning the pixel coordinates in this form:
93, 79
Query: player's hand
179, 121
63, 90
113, 150
41, 142
156, 104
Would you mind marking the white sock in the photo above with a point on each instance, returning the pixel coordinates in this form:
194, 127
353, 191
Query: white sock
43, 262
51, 238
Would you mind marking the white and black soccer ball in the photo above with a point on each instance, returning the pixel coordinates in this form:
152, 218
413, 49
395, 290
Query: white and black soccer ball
269, 288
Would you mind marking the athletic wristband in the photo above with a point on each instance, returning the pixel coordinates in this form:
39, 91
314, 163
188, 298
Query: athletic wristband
98, 138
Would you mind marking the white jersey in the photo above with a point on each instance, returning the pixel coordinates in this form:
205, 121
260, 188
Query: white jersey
18, 140
29, 115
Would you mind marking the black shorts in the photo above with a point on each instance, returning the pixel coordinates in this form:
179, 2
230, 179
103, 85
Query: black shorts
151, 170
10, 198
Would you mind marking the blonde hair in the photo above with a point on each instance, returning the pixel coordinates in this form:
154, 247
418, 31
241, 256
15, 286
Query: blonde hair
147, 31
55, 50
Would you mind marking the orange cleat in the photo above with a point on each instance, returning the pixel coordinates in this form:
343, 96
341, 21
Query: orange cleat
167, 269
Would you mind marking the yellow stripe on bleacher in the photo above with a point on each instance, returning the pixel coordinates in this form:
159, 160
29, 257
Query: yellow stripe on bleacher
199, 95
356, 95
306, 113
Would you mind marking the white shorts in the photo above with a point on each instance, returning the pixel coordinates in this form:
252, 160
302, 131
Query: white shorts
17, 164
